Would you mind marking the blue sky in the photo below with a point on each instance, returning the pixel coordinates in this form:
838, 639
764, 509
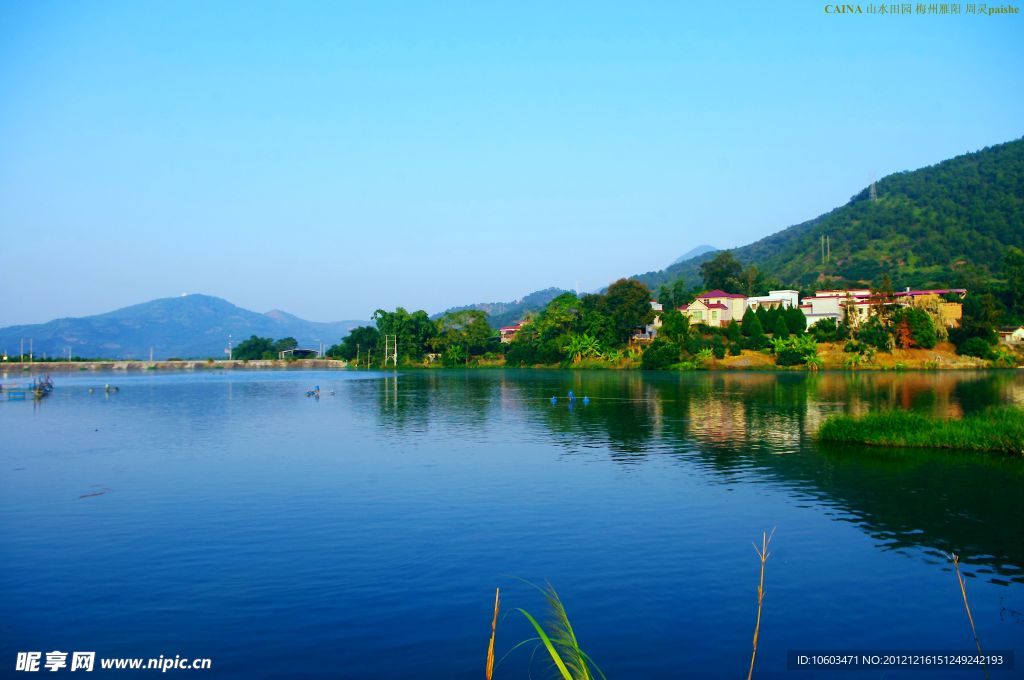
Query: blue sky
331, 158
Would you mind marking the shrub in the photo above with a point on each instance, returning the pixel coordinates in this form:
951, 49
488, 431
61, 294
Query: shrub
874, 333
735, 349
660, 354
825, 330
914, 328
975, 347
780, 329
795, 350
718, 350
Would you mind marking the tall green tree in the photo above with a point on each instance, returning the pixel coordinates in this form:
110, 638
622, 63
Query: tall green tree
628, 304
746, 324
467, 328
675, 326
360, 343
1013, 270
722, 272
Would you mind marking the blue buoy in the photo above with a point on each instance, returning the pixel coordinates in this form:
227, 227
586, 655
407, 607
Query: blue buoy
586, 400
572, 397
554, 400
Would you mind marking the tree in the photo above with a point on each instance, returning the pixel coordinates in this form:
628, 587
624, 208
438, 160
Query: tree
780, 330
673, 295
795, 319
285, 344
721, 272
358, 344
413, 332
628, 305
825, 330
675, 326
914, 328
467, 328
732, 331
254, 348
1013, 270
747, 323
660, 354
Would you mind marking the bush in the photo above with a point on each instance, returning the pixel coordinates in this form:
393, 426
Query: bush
914, 328
825, 330
875, 334
660, 354
735, 349
718, 351
795, 350
975, 347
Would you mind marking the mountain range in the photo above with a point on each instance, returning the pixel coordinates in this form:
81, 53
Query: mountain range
927, 227
190, 326
922, 228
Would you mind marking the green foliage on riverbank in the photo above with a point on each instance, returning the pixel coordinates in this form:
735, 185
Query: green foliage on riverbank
995, 429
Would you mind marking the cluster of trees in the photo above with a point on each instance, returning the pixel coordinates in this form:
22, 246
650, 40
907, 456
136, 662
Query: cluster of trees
262, 348
573, 328
679, 342
722, 272
455, 337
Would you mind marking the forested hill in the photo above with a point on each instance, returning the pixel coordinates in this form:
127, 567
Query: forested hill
923, 227
506, 313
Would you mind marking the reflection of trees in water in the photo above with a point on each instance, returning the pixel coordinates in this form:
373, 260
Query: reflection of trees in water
749, 425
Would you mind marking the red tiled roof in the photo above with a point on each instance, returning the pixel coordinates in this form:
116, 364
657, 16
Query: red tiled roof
716, 305
716, 293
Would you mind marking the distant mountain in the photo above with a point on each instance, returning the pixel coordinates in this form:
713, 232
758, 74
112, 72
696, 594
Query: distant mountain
696, 252
191, 326
920, 227
506, 313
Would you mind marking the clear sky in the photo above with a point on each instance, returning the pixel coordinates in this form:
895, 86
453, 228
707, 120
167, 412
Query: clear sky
331, 158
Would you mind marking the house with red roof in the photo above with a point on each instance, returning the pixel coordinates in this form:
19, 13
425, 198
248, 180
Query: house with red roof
715, 308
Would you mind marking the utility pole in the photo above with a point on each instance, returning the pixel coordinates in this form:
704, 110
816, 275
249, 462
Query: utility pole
21, 352
390, 350
828, 249
823, 249
357, 355
874, 189
30, 353
229, 347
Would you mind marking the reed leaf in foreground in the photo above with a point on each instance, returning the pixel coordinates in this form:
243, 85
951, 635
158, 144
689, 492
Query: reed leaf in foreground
967, 606
494, 629
560, 640
762, 553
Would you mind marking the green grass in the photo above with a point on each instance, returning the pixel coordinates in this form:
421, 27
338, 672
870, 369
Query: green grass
995, 429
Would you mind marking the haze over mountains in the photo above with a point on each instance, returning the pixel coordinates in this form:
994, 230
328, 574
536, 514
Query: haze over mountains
927, 227
190, 326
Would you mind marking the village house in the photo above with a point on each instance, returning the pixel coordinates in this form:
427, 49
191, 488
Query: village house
507, 333
1012, 335
716, 308
775, 299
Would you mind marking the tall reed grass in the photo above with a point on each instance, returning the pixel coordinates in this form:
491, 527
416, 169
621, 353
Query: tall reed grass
998, 429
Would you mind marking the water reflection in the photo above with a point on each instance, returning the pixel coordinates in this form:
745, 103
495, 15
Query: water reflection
757, 428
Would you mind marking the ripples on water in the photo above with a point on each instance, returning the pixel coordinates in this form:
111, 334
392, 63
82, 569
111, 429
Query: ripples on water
361, 535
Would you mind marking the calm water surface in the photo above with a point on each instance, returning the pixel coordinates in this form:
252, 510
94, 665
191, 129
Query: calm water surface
361, 535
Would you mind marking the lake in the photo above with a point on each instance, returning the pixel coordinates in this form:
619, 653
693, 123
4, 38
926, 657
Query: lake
226, 515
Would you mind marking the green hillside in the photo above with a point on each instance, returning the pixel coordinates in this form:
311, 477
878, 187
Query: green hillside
924, 227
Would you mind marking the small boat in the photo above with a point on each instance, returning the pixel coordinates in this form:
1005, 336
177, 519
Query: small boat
41, 387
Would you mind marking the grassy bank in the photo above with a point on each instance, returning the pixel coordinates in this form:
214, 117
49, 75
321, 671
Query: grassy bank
995, 429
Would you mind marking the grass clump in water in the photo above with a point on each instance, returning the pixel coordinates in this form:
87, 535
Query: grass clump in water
995, 429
